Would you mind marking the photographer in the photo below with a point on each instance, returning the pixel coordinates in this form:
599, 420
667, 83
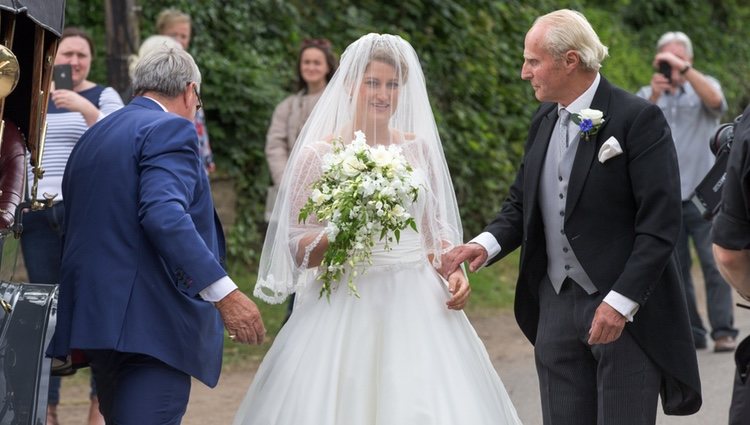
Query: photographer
693, 104
732, 251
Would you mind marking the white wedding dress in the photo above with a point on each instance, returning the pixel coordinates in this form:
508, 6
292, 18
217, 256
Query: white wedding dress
395, 355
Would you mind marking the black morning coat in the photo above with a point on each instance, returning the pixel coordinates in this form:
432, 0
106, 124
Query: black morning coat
622, 219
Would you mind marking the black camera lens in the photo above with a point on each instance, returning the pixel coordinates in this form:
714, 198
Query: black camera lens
723, 137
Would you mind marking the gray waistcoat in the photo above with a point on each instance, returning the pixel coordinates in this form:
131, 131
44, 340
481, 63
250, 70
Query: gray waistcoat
553, 194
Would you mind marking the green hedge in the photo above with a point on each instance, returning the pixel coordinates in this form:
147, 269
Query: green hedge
471, 51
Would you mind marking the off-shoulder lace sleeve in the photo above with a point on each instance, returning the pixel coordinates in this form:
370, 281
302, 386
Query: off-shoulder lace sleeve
289, 242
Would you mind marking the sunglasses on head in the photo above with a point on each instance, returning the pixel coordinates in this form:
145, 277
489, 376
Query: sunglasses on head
316, 42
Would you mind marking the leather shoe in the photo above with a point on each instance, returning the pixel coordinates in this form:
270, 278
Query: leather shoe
724, 344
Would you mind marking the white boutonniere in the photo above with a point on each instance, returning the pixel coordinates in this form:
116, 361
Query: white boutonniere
589, 121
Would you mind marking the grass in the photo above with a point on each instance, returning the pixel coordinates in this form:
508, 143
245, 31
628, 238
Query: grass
492, 290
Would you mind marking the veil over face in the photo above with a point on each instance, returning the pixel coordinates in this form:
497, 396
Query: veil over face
379, 89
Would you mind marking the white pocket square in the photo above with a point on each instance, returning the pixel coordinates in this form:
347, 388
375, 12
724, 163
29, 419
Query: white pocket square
610, 149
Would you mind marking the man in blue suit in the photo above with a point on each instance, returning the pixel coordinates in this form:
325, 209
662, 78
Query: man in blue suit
143, 290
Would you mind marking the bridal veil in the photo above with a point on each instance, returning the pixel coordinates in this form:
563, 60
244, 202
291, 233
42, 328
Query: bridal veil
391, 110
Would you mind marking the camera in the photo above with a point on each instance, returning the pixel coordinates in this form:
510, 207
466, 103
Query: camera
707, 195
666, 70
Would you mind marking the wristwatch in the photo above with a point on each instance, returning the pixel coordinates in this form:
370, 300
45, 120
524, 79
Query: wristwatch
685, 69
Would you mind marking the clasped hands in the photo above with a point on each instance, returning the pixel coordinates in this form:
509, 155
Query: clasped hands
606, 326
458, 284
241, 318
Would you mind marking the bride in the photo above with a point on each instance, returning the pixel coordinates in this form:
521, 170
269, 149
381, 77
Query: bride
402, 351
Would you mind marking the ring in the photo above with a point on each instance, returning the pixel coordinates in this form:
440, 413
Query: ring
232, 337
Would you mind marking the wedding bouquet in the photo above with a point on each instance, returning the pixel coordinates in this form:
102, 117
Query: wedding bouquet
363, 191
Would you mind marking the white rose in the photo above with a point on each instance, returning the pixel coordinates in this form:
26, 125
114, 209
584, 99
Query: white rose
317, 196
398, 211
382, 156
596, 116
352, 166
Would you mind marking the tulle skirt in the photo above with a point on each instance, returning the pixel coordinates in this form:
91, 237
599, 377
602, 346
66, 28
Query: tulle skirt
396, 355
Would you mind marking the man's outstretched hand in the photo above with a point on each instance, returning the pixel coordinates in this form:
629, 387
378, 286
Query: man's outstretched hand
242, 318
474, 253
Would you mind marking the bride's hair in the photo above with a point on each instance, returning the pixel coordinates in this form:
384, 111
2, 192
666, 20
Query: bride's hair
390, 106
381, 54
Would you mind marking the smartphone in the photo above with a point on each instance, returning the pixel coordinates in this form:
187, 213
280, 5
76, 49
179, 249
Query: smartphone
62, 75
666, 70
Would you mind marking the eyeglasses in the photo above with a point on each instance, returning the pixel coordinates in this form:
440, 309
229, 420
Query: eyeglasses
200, 102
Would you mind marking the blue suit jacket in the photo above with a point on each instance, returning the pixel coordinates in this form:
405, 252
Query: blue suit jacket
141, 240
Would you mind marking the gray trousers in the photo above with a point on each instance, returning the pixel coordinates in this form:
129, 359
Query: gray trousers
718, 293
611, 384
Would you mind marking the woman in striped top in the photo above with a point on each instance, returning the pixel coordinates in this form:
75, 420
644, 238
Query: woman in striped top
70, 114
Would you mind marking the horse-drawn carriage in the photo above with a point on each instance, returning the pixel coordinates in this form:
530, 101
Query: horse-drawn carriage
29, 31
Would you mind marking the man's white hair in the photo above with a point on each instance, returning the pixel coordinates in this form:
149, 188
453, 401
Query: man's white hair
569, 30
675, 37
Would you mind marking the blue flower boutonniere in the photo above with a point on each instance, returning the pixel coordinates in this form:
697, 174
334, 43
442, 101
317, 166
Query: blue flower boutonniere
589, 121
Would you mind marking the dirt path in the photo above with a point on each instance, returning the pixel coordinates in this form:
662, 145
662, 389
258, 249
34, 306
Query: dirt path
504, 341
510, 353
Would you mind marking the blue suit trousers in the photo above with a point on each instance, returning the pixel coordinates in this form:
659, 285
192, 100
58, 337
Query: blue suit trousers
136, 389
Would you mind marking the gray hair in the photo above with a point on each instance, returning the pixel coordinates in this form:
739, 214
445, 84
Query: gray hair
165, 70
569, 30
149, 45
675, 37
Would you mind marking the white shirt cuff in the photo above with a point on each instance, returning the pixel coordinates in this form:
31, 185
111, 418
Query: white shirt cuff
622, 304
218, 290
489, 243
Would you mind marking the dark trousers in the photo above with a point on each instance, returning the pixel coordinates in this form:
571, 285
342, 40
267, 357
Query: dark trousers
136, 389
610, 384
718, 292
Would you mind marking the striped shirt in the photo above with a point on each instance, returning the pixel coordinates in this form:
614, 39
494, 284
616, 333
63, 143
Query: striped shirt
64, 128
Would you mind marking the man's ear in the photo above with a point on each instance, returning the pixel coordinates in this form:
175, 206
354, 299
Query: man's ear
186, 94
572, 59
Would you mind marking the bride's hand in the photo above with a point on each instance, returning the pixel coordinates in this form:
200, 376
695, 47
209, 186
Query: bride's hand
458, 285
